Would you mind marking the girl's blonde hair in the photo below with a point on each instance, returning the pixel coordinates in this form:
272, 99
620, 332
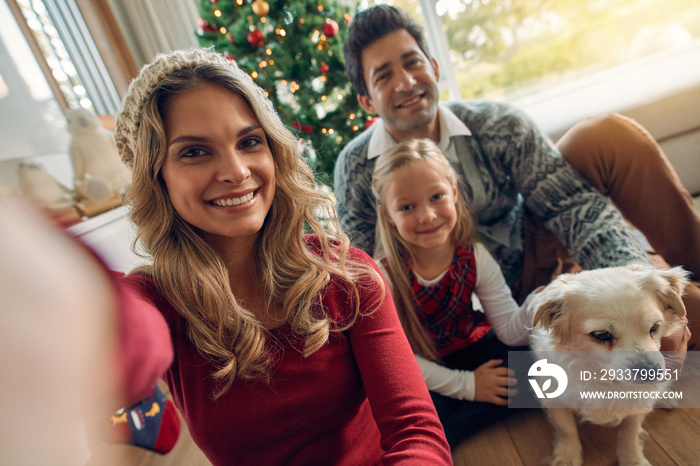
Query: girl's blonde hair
192, 276
394, 250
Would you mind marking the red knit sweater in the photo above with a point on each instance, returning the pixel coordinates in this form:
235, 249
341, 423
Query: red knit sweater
316, 410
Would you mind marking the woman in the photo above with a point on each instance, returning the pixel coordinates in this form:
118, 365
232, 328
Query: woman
281, 341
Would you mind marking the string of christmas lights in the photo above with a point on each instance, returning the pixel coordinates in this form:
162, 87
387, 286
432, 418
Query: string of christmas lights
293, 50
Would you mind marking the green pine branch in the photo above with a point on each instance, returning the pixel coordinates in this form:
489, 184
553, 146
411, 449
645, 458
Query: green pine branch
300, 68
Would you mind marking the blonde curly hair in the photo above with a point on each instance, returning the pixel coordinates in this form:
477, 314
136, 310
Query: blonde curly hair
187, 271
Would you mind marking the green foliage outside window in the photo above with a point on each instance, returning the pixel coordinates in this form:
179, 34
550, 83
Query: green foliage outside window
509, 48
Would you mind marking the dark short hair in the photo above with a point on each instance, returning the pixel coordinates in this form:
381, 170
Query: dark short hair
367, 27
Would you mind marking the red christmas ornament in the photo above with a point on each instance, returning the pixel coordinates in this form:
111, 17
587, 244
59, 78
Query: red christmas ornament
325, 68
228, 56
255, 38
330, 28
370, 122
304, 128
205, 27
232, 40
215, 1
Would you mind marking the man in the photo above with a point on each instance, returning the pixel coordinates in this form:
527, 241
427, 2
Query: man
519, 187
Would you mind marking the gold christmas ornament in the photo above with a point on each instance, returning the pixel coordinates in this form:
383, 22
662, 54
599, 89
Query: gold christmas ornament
260, 7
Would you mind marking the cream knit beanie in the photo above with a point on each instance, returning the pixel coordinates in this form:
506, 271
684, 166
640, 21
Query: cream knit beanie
164, 64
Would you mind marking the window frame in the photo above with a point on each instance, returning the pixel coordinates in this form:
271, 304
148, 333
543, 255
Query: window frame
96, 46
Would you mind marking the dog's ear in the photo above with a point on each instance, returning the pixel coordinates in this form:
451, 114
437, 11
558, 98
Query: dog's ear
547, 307
545, 313
670, 291
667, 284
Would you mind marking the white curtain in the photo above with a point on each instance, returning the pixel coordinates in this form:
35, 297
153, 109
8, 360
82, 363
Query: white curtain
153, 26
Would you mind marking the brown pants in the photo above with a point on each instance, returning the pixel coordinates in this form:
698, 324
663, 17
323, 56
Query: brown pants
621, 160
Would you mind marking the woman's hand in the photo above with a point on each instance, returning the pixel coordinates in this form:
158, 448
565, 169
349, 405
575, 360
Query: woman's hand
58, 333
493, 382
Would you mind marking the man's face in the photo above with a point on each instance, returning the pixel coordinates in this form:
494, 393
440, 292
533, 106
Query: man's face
402, 86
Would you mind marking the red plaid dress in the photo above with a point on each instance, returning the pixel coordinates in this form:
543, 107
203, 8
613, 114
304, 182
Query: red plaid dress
445, 308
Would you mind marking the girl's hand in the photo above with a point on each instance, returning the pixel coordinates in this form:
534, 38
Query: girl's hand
493, 382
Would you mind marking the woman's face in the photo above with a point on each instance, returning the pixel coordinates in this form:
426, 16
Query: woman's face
218, 167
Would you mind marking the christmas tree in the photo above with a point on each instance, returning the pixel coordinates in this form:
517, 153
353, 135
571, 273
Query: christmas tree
293, 50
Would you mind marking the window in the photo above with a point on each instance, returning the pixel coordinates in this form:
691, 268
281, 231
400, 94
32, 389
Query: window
32, 121
52, 63
69, 51
562, 60
507, 49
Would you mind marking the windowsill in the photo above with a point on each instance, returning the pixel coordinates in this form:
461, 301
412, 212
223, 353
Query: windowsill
87, 226
620, 89
111, 235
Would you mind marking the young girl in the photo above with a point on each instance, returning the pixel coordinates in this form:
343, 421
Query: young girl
273, 343
428, 254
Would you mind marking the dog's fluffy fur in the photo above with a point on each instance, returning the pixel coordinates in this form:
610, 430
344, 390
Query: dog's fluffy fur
621, 313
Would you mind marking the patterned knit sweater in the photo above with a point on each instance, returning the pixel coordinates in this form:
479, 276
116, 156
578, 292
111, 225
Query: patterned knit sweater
508, 166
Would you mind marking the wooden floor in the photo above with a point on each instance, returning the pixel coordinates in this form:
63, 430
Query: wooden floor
523, 439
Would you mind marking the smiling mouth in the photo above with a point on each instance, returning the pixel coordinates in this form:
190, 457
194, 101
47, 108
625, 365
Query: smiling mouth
234, 201
412, 101
432, 230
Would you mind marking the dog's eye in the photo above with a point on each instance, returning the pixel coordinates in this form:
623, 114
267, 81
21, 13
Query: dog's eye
602, 336
654, 328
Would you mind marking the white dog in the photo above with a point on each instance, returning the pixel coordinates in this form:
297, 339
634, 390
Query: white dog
618, 316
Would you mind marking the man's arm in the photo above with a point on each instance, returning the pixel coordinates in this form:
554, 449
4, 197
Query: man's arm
590, 226
353, 190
